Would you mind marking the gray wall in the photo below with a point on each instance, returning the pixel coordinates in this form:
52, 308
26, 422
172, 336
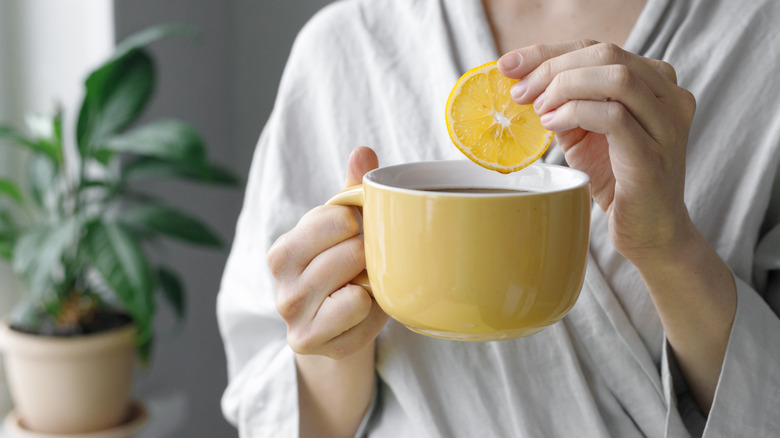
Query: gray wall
224, 83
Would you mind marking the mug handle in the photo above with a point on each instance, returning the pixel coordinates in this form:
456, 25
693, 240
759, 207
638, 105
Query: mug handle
353, 196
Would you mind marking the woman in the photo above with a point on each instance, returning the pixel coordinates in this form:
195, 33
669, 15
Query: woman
670, 107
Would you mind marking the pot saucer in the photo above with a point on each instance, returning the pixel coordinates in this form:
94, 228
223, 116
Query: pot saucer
138, 416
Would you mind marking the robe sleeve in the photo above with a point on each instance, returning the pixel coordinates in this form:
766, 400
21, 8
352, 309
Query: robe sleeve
747, 396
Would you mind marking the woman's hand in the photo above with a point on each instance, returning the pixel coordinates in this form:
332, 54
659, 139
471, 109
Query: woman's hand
313, 264
331, 325
623, 120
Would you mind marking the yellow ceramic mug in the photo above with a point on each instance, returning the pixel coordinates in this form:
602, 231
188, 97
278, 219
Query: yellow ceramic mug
480, 261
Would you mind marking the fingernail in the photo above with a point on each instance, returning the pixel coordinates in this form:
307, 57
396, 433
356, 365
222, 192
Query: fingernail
547, 117
518, 89
538, 102
510, 61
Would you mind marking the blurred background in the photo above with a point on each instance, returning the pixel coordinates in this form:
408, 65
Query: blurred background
224, 83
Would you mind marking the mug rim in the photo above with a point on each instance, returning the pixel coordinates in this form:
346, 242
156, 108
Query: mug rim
578, 178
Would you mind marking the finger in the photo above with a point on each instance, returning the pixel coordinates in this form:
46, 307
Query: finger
589, 157
319, 229
332, 269
361, 160
358, 336
323, 226
348, 322
614, 82
625, 135
656, 74
663, 68
299, 299
340, 311
518, 63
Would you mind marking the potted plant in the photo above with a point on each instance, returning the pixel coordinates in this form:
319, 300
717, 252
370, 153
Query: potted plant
82, 240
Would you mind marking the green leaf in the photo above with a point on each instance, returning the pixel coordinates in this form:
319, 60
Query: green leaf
152, 34
8, 235
43, 179
171, 140
120, 88
7, 241
172, 290
116, 94
39, 251
144, 345
47, 132
9, 133
11, 190
146, 168
7, 221
38, 146
170, 222
57, 124
121, 262
103, 156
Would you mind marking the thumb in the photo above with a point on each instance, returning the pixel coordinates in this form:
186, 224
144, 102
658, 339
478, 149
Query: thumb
361, 160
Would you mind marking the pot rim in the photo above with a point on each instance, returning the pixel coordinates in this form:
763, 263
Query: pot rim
28, 344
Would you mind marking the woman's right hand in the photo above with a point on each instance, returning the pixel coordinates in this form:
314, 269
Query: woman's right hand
312, 265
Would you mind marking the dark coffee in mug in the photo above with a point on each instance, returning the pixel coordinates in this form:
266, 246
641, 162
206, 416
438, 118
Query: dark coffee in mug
474, 190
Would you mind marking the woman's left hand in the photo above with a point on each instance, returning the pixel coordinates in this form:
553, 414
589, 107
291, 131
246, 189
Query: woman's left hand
623, 120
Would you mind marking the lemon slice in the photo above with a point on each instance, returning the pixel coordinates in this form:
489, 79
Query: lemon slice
490, 128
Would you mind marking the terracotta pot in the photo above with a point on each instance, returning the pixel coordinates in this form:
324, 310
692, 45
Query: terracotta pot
72, 384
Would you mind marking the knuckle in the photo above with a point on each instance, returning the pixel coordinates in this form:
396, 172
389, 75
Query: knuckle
538, 54
586, 42
537, 51
545, 70
563, 84
667, 71
289, 303
689, 99
609, 53
688, 103
277, 257
621, 76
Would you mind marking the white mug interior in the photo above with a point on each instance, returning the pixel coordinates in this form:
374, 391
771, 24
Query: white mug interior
464, 174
